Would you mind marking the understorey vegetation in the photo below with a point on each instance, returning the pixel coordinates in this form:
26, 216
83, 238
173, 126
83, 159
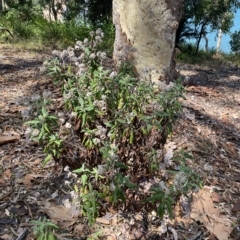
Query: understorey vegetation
110, 131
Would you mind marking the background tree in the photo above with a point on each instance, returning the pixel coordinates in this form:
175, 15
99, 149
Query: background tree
99, 11
235, 41
201, 16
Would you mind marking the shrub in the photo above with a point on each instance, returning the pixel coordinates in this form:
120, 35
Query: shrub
60, 34
113, 129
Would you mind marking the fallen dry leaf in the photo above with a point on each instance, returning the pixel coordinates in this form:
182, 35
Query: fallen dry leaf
6, 237
103, 221
224, 118
204, 211
215, 197
7, 174
2, 182
28, 180
37, 161
111, 237
78, 229
135, 234
62, 216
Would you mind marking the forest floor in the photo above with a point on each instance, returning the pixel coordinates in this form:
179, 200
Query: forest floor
208, 128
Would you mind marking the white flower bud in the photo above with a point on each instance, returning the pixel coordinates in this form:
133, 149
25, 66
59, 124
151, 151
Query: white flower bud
88, 94
103, 109
35, 132
85, 41
64, 54
112, 186
70, 49
82, 65
61, 120
68, 125
28, 131
103, 97
101, 104
103, 55
94, 44
71, 54
67, 96
103, 136
60, 114
56, 53
73, 114
98, 39
77, 47
113, 74
82, 56
98, 31
79, 43
96, 141
92, 56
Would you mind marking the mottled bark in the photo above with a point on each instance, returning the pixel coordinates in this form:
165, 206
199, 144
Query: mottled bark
145, 35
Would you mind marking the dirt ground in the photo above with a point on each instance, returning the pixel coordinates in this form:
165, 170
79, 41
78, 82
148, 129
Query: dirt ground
208, 128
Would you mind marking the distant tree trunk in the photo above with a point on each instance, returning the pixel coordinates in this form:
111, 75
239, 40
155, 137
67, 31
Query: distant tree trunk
53, 9
206, 41
202, 32
219, 40
145, 36
4, 5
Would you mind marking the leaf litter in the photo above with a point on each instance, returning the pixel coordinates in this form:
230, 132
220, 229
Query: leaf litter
209, 128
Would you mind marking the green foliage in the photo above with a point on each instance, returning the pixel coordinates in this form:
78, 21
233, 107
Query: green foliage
200, 15
109, 37
88, 197
162, 200
184, 181
57, 33
22, 29
20, 21
99, 11
235, 41
234, 58
43, 229
206, 58
185, 178
44, 131
25, 20
95, 236
45, 123
188, 54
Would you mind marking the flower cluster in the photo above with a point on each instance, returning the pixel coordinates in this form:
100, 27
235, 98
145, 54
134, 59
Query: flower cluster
101, 104
101, 132
84, 54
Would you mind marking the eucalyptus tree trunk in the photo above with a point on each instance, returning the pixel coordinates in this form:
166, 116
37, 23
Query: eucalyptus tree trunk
219, 40
206, 41
145, 36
